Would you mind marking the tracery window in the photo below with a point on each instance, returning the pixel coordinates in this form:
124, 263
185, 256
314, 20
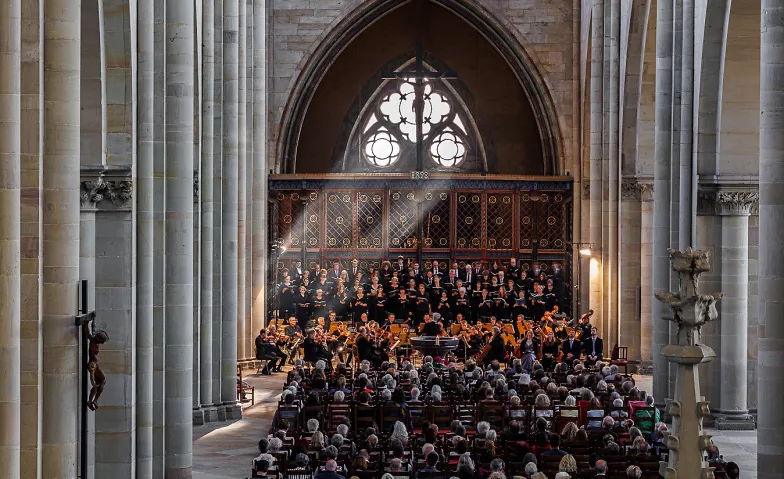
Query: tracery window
388, 134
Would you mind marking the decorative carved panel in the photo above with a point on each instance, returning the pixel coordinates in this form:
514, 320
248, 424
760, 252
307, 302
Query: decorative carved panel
370, 219
551, 224
500, 220
468, 220
436, 219
402, 219
340, 219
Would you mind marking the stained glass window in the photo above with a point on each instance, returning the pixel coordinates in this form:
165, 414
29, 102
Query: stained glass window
389, 130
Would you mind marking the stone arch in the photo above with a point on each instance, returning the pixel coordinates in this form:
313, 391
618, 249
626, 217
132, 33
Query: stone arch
354, 19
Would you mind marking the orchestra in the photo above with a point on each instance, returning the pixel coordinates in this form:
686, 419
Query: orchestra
497, 313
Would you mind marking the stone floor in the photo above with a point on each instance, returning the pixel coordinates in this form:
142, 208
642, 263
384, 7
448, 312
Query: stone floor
226, 450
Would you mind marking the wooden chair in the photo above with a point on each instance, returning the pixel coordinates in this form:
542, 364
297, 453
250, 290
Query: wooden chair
440, 414
620, 358
549, 464
417, 414
465, 412
241, 390
492, 412
645, 419
305, 473
364, 417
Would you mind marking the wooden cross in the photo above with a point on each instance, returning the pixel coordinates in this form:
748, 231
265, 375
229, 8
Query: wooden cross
419, 75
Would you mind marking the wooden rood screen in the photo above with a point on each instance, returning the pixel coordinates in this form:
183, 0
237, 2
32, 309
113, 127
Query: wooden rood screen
454, 219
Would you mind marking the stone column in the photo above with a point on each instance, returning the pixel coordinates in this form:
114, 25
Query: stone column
610, 173
688, 175
31, 235
241, 183
230, 206
10, 199
207, 188
770, 362
646, 275
179, 239
259, 290
631, 229
661, 192
249, 174
734, 208
217, 216
60, 238
159, 234
144, 238
596, 187
113, 247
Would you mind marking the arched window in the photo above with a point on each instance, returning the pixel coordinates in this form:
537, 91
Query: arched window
384, 137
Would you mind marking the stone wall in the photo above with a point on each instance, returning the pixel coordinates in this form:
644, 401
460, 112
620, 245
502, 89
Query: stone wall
544, 28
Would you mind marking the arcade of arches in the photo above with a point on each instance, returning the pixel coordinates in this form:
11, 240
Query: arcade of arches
158, 149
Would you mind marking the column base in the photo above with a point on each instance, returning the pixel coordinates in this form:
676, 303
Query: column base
221, 412
233, 411
198, 416
733, 421
210, 414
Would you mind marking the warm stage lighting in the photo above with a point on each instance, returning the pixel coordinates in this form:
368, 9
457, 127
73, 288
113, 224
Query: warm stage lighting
585, 251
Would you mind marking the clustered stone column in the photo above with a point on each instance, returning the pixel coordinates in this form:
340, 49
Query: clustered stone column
179, 239
770, 363
10, 203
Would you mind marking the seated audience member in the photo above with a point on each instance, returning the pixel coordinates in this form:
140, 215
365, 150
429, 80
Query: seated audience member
262, 467
600, 469
633, 472
555, 450
330, 471
263, 454
568, 464
732, 470
431, 461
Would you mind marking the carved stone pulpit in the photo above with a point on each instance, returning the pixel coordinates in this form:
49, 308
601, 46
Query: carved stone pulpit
689, 310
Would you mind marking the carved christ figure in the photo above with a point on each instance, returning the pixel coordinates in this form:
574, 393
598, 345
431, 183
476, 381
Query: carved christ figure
97, 378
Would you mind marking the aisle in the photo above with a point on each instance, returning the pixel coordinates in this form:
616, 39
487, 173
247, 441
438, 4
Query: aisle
225, 450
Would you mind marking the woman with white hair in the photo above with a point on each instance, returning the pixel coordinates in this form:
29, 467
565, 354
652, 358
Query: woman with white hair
414, 395
530, 469
542, 405
312, 426
633, 472
491, 435
481, 429
619, 414
399, 432
339, 396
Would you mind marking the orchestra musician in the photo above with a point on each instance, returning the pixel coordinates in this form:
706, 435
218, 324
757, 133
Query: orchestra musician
294, 338
570, 347
431, 327
314, 351
302, 301
266, 351
529, 348
592, 347
497, 351
549, 350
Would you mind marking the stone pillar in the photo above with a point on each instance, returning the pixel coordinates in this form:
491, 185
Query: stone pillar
610, 174
596, 187
59, 433
217, 216
646, 275
179, 239
249, 174
230, 207
113, 246
770, 363
10, 199
144, 238
242, 109
631, 229
661, 192
207, 188
31, 235
159, 228
688, 175
734, 208
259, 290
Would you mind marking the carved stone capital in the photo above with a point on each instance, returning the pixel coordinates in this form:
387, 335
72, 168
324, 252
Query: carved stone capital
727, 202
634, 189
94, 192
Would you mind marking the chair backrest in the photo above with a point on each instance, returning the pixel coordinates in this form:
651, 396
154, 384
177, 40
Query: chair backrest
549, 463
417, 413
645, 418
492, 412
465, 412
430, 475
441, 414
299, 474
364, 417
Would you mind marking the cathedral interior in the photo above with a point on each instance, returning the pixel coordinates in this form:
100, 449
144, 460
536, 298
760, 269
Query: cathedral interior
161, 161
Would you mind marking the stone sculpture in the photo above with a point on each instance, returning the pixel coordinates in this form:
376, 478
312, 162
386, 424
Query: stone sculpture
690, 311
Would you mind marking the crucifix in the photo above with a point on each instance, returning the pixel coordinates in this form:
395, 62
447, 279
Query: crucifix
419, 75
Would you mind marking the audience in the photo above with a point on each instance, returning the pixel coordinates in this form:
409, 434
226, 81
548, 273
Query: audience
489, 423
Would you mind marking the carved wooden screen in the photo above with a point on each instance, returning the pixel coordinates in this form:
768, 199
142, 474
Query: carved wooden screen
468, 220
552, 230
403, 218
340, 219
528, 210
370, 219
500, 220
437, 219
290, 218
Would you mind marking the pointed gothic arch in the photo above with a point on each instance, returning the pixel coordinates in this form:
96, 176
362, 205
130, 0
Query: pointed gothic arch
353, 22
